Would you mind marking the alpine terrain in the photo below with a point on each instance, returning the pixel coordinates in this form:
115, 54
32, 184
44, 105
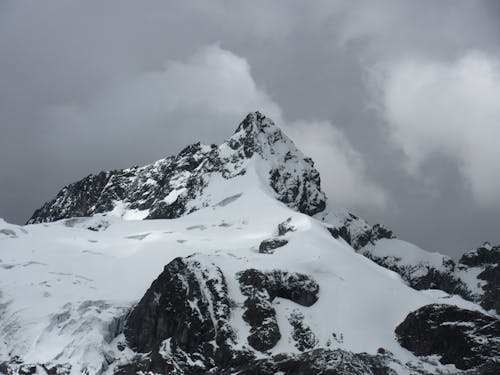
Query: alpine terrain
229, 260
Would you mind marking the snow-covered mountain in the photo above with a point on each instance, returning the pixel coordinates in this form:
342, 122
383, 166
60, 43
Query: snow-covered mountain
247, 270
196, 178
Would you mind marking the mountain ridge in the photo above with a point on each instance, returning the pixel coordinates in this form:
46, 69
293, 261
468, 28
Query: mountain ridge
246, 270
168, 187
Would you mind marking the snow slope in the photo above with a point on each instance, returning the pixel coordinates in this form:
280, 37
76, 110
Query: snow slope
68, 282
65, 285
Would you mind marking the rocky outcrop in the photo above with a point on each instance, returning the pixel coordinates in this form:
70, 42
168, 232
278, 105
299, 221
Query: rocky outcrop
261, 288
319, 362
182, 323
487, 259
304, 337
183, 318
468, 339
354, 230
15, 368
268, 246
174, 186
484, 255
423, 270
421, 275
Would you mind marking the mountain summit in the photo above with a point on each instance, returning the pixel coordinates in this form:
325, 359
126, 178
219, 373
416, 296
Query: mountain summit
246, 271
182, 184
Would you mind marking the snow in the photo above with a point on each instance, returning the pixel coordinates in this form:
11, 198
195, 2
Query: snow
173, 195
68, 279
406, 253
64, 287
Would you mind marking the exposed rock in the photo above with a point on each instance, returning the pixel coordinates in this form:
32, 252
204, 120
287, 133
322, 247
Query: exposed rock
484, 255
261, 288
319, 362
15, 368
462, 337
27, 369
303, 335
422, 275
268, 246
285, 227
354, 230
182, 314
174, 186
491, 297
487, 258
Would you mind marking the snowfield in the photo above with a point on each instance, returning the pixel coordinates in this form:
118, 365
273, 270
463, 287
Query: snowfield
64, 284
68, 286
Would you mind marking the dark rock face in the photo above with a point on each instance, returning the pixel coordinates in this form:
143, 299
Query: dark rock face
422, 276
15, 368
320, 362
285, 227
358, 233
174, 186
181, 325
303, 335
484, 255
261, 289
268, 246
491, 297
185, 310
465, 338
487, 258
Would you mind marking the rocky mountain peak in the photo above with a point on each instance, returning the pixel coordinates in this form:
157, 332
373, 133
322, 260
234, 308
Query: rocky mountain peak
178, 185
255, 122
259, 134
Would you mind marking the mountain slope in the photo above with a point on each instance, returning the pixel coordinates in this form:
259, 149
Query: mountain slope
178, 185
475, 277
239, 279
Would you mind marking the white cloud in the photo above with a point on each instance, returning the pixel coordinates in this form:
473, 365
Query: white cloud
213, 80
342, 168
204, 98
451, 109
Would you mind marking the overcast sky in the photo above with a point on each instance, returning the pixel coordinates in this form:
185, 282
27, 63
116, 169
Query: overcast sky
398, 102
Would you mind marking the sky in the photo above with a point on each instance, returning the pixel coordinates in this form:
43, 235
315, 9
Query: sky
397, 102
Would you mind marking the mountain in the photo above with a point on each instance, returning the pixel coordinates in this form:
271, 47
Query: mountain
246, 269
174, 186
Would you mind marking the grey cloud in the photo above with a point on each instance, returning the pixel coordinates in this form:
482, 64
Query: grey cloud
71, 76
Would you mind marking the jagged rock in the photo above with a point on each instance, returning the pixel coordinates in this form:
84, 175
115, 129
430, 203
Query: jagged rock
487, 258
185, 310
285, 227
268, 246
423, 276
341, 232
303, 335
354, 230
259, 312
462, 337
484, 255
16, 368
28, 369
319, 362
491, 297
174, 186
261, 288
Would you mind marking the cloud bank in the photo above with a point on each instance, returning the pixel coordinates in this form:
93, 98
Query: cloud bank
449, 109
213, 83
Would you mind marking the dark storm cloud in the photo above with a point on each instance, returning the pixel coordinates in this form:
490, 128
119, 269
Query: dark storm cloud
97, 85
